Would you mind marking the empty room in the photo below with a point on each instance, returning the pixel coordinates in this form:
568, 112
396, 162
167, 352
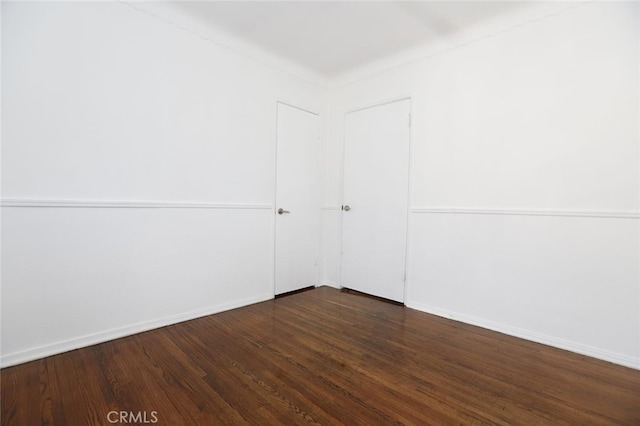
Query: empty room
320, 212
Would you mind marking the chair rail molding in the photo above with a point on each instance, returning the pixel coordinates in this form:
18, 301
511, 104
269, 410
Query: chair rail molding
123, 204
329, 207
611, 214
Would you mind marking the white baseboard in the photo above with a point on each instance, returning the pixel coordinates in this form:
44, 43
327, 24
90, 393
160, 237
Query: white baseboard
329, 284
613, 357
116, 333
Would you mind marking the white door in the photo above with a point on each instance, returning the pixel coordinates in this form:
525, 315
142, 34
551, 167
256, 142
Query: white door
376, 191
297, 199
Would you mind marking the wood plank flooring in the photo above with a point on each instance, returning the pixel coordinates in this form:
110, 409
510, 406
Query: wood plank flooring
323, 357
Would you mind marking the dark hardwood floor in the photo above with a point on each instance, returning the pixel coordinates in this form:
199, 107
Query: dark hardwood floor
321, 357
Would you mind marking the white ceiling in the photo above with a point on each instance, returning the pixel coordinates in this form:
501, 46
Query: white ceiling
333, 37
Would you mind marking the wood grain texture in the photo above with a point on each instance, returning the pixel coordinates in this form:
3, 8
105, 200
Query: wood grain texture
322, 357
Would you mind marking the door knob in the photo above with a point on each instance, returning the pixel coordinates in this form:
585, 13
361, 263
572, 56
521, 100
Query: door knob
346, 208
283, 211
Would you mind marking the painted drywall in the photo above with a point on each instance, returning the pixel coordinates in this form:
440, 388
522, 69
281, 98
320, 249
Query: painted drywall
165, 141
525, 176
165, 137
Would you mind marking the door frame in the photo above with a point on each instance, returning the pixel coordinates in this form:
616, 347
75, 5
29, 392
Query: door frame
410, 98
275, 191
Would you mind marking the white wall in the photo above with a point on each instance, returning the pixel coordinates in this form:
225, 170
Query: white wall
525, 176
156, 149
156, 146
